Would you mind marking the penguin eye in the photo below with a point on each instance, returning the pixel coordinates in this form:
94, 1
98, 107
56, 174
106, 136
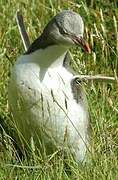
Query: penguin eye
63, 31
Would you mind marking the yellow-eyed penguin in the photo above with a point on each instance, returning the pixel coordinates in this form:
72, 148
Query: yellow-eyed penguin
47, 101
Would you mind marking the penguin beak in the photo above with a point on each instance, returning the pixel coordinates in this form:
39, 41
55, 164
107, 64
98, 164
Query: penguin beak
83, 43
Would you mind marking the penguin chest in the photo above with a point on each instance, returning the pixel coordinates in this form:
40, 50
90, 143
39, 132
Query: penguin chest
63, 111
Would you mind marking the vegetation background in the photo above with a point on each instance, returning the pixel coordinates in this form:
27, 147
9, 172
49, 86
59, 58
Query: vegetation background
101, 30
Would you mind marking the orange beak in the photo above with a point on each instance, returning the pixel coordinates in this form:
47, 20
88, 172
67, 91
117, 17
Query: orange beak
83, 43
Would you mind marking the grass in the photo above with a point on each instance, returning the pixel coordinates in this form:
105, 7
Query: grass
101, 31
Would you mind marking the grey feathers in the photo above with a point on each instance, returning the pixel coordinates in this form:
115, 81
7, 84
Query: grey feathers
59, 31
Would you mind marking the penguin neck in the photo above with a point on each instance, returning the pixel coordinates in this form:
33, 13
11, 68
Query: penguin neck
50, 57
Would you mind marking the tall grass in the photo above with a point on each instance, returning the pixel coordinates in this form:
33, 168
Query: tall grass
101, 31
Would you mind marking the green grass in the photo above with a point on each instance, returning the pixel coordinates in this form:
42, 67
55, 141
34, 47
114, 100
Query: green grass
101, 31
